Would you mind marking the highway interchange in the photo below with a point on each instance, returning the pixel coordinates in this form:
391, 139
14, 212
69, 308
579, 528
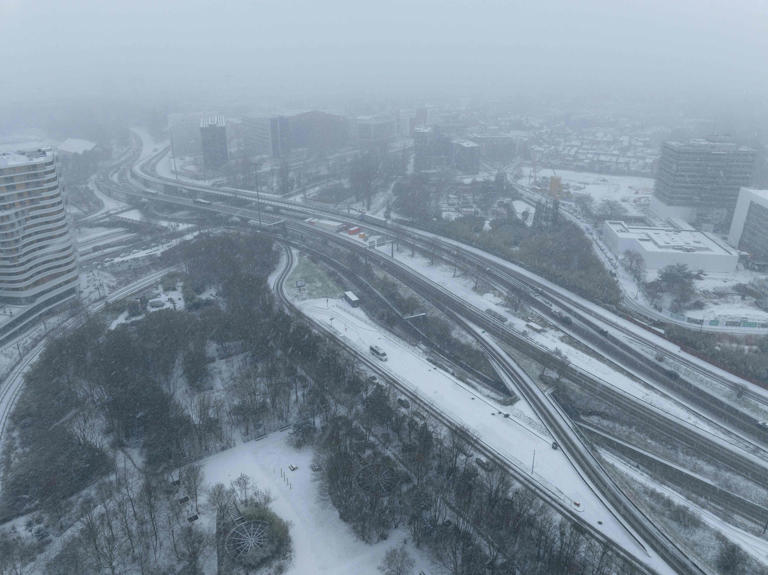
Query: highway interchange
599, 321
613, 336
740, 444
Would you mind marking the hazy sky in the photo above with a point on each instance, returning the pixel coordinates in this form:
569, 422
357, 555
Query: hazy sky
238, 49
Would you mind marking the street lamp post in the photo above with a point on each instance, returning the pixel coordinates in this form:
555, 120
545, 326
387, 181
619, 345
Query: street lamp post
258, 205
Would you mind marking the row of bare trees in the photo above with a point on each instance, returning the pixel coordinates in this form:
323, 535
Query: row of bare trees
135, 522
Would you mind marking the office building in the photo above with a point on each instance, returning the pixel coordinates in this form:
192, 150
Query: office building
375, 130
185, 134
431, 148
38, 262
213, 141
749, 227
318, 132
699, 181
676, 243
314, 131
257, 139
465, 156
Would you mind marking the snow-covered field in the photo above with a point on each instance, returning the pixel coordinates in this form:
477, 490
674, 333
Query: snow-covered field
632, 191
322, 543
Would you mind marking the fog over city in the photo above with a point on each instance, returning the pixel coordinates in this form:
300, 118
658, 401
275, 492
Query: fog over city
406, 287
236, 50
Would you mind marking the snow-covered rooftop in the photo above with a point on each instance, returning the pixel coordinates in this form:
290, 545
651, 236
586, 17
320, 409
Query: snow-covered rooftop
76, 146
213, 120
20, 158
668, 239
465, 143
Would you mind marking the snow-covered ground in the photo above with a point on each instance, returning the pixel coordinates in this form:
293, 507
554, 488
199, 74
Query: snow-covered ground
110, 205
86, 234
526, 446
164, 169
89, 239
523, 208
602, 316
95, 284
152, 251
137, 216
159, 299
752, 544
322, 543
632, 192
148, 144
553, 339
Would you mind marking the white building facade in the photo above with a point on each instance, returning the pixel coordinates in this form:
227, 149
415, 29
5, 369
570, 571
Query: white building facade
38, 261
663, 246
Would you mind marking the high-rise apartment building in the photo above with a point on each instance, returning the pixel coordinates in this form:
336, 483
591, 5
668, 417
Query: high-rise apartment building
38, 262
213, 140
700, 180
280, 136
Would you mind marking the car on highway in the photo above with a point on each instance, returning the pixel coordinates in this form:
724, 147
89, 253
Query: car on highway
378, 352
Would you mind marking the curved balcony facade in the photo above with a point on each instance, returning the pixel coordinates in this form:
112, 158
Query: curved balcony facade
38, 260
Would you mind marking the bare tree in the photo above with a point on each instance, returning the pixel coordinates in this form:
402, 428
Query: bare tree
634, 263
397, 561
191, 479
219, 497
242, 486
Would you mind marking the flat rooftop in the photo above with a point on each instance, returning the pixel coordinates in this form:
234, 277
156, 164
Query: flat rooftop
669, 239
214, 120
465, 143
702, 144
76, 146
756, 193
23, 157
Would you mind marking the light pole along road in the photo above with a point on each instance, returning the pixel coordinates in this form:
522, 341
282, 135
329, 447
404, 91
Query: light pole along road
674, 557
698, 400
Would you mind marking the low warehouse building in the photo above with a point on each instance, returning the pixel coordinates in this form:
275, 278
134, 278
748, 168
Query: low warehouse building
663, 246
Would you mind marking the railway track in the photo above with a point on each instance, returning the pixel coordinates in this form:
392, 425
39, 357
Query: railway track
731, 456
13, 385
746, 421
485, 261
737, 461
728, 502
583, 459
553, 499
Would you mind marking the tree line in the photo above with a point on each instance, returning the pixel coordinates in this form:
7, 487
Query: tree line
143, 386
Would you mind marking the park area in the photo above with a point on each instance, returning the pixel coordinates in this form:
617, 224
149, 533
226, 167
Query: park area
322, 543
